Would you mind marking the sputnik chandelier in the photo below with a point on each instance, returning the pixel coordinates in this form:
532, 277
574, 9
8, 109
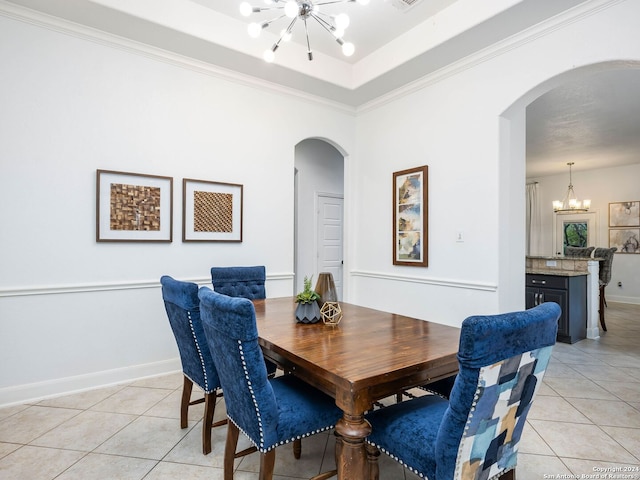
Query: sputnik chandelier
301, 10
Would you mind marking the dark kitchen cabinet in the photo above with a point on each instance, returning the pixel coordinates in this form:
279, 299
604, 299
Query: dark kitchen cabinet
570, 292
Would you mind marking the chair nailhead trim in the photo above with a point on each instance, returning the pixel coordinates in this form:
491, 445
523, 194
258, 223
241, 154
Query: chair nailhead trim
195, 340
384, 450
261, 447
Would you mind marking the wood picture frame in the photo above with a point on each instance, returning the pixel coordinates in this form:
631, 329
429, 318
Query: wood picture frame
624, 214
626, 240
410, 217
133, 207
211, 211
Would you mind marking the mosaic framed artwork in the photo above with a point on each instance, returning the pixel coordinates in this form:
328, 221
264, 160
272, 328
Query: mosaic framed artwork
133, 207
410, 217
211, 211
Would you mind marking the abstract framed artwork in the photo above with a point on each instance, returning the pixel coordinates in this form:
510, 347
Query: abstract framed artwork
133, 207
624, 214
410, 217
627, 240
211, 211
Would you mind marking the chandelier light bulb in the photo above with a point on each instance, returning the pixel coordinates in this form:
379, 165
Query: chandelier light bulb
291, 9
348, 49
338, 33
246, 9
268, 56
342, 21
254, 30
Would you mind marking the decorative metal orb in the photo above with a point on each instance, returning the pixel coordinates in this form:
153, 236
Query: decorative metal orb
331, 313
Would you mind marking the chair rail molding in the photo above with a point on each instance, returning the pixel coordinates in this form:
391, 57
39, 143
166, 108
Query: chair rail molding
442, 282
111, 286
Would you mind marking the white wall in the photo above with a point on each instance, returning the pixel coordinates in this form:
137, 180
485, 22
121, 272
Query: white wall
75, 313
602, 186
466, 122
320, 170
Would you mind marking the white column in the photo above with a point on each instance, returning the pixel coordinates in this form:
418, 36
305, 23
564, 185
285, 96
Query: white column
593, 299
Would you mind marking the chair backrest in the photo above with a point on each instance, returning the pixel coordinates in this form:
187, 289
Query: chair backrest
246, 282
606, 264
502, 359
231, 330
578, 251
183, 309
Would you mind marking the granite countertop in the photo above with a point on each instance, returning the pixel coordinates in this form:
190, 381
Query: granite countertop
551, 257
555, 272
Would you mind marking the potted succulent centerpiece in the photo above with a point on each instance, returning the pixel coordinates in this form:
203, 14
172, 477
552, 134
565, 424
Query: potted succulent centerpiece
308, 310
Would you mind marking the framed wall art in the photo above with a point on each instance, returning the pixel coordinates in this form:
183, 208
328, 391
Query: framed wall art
624, 214
410, 217
627, 240
133, 207
211, 211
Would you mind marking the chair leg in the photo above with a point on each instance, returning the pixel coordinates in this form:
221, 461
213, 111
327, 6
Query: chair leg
187, 386
267, 464
601, 311
207, 422
297, 448
510, 475
372, 460
230, 450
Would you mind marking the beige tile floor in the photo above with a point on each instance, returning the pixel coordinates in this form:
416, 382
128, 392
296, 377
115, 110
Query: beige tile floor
586, 417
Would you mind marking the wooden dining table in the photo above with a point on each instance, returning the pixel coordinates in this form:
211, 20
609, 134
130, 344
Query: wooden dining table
368, 356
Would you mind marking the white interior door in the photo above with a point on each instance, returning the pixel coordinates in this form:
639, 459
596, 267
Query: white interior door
330, 215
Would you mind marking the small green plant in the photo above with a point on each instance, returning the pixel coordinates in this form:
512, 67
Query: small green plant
307, 295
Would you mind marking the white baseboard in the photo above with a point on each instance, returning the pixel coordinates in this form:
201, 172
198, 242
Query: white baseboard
35, 392
621, 299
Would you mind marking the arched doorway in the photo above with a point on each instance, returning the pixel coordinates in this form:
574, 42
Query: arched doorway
319, 212
512, 167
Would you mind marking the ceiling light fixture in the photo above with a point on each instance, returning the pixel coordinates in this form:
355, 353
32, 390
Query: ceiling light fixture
571, 204
302, 10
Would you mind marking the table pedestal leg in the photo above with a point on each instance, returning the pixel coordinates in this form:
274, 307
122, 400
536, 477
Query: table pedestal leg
351, 456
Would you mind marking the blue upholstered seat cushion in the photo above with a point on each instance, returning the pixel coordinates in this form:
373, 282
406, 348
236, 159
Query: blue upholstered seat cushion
246, 282
302, 409
183, 310
269, 412
407, 432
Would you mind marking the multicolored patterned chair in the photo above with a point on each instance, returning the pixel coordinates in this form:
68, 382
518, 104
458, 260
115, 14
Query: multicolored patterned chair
475, 434
183, 309
270, 412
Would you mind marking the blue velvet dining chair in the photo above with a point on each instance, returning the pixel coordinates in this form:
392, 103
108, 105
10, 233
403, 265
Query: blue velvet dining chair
473, 435
269, 411
244, 282
183, 309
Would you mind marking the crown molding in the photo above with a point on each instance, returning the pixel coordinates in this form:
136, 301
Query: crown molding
83, 32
